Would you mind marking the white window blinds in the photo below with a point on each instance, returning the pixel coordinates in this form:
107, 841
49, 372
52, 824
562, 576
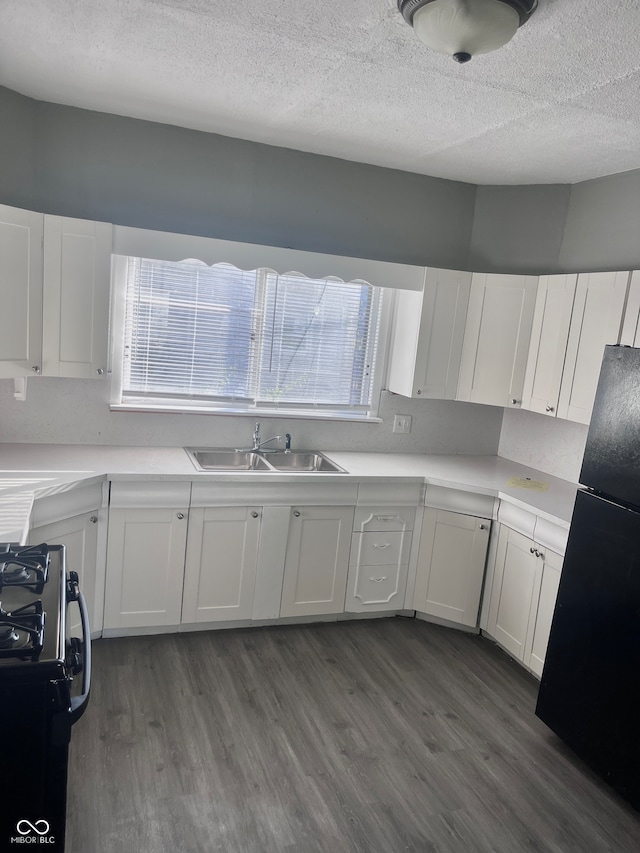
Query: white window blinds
252, 339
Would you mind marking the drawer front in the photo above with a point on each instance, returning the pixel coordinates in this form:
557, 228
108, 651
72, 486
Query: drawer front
376, 588
372, 519
379, 549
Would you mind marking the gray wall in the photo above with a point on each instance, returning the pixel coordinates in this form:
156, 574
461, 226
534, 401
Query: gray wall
518, 229
105, 167
603, 225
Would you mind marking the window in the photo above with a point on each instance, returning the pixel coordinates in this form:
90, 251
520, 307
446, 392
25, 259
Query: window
221, 338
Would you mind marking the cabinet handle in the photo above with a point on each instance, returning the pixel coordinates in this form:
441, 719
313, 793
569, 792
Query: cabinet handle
381, 545
35, 368
419, 392
255, 514
180, 515
514, 402
549, 408
540, 554
386, 517
93, 519
532, 550
378, 580
296, 513
100, 371
483, 527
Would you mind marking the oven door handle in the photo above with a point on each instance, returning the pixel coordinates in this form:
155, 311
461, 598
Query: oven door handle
79, 703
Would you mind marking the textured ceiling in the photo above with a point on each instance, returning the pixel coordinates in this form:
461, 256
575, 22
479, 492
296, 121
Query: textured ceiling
348, 78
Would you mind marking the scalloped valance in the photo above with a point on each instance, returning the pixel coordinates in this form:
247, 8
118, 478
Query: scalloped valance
166, 246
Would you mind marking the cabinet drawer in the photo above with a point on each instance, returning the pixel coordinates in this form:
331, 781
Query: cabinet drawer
375, 519
378, 588
379, 549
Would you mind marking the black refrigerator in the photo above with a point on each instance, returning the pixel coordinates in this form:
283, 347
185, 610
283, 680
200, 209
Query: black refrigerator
590, 688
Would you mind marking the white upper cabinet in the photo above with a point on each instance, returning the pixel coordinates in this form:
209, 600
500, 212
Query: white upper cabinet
77, 277
20, 292
428, 330
549, 337
496, 339
595, 322
630, 336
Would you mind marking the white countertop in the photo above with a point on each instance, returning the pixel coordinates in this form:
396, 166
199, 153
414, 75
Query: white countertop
30, 471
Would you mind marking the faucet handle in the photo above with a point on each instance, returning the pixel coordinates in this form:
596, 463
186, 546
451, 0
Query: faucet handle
287, 446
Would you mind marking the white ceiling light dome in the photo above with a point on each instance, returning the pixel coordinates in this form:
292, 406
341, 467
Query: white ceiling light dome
465, 28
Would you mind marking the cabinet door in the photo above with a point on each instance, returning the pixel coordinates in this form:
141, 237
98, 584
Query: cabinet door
77, 278
451, 562
543, 605
79, 535
145, 567
549, 338
512, 592
630, 335
428, 329
220, 568
316, 561
496, 339
21, 289
596, 321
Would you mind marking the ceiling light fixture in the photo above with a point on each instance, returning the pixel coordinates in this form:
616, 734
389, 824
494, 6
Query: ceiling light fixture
464, 28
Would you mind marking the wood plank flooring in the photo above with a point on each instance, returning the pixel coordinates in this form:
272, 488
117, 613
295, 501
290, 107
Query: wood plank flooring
381, 736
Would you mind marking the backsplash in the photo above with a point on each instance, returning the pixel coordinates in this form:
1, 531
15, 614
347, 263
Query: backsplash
550, 444
76, 411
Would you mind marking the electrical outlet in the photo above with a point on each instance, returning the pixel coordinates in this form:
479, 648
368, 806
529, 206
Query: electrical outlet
402, 423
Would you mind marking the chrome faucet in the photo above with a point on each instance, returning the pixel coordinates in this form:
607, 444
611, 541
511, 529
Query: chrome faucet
257, 443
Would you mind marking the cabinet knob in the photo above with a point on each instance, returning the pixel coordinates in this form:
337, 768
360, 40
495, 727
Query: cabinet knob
532, 550
254, 514
180, 515
35, 368
514, 402
99, 371
93, 519
549, 408
296, 512
483, 527
419, 392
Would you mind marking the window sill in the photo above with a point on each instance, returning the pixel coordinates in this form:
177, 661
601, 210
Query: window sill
356, 417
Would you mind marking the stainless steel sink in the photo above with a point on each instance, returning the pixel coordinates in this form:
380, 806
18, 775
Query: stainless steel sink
225, 459
304, 460
211, 459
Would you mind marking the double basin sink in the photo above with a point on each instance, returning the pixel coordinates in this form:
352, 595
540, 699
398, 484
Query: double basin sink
224, 459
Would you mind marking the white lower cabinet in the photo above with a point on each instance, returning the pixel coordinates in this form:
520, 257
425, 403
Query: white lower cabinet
379, 559
525, 585
146, 548
77, 519
545, 593
451, 564
79, 535
316, 560
221, 562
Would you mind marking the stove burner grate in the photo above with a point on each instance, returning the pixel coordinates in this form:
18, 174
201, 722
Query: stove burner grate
27, 567
22, 631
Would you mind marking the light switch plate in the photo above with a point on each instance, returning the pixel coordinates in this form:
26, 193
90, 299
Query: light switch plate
402, 423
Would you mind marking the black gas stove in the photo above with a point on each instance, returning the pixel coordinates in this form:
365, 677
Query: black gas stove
44, 688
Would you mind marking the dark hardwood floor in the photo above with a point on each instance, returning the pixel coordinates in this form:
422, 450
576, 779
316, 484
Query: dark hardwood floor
382, 736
